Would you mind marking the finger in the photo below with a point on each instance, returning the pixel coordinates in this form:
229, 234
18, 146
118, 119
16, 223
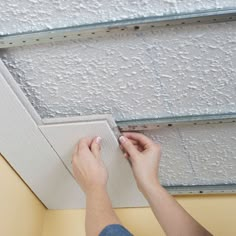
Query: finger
84, 147
84, 143
76, 149
126, 155
75, 154
133, 141
139, 148
128, 147
122, 149
96, 147
140, 138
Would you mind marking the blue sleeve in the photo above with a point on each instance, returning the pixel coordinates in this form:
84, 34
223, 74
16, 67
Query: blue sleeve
115, 230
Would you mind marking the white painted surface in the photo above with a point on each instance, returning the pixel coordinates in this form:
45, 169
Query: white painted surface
197, 155
40, 14
121, 185
190, 155
29, 153
169, 71
35, 160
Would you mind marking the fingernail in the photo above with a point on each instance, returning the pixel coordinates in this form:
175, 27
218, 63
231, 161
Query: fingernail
98, 140
122, 139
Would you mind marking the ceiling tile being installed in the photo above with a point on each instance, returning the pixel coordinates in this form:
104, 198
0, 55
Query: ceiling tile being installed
169, 71
197, 155
64, 137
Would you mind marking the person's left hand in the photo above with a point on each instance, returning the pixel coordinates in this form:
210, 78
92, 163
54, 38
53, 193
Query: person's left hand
88, 167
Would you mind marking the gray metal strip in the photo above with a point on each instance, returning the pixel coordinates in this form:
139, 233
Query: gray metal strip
202, 189
96, 29
156, 123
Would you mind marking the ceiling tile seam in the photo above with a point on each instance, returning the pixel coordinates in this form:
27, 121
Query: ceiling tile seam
20, 123
73, 119
170, 106
186, 151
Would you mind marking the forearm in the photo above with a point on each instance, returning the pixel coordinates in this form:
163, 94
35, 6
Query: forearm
172, 217
99, 212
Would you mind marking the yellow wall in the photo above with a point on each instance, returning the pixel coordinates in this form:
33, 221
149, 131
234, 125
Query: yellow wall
216, 213
21, 213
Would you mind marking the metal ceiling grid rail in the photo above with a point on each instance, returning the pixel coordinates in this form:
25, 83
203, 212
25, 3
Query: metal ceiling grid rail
156, 123
101, 28
202, 189
152, 22
151, 124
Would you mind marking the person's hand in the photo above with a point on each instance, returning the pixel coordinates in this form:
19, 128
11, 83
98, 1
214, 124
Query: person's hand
88, 167
144, 156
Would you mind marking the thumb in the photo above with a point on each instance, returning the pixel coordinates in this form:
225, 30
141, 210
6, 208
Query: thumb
96, 147
128, 147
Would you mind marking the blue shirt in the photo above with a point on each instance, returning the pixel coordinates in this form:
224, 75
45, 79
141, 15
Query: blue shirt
115, 230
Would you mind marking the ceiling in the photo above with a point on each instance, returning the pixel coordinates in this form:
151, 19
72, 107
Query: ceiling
181, 70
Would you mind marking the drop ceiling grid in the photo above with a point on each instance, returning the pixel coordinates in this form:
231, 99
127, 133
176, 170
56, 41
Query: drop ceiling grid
64, 137
121, 73
175, 168
74, 78
210, 149
29, 15
213, 152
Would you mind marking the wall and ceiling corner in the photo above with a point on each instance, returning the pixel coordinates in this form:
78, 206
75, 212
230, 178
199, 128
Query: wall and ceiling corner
167, 71
21, 212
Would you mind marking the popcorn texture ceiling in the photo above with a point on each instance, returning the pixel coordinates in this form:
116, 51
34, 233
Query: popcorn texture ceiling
168, 71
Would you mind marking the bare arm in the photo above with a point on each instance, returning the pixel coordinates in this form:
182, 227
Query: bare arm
144, 156
171, 216
91, 174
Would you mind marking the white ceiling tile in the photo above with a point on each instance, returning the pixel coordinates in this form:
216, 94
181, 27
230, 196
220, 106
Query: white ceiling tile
175, 167
169, 71
28, 15
121, 185
212, 151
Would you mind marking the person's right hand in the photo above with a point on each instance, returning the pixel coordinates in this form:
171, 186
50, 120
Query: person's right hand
144, 156
88, 168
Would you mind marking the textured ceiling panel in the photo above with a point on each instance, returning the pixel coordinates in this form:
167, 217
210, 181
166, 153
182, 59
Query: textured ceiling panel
179, 70
201, 154
28, 15
191, 155
64, 137
167, 71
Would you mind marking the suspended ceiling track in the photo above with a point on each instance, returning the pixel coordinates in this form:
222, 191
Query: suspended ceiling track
202, 189
99, 29
156, 123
